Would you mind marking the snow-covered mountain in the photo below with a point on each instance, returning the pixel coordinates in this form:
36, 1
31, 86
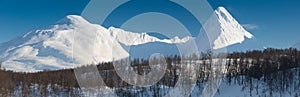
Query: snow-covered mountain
53, 48
224, 30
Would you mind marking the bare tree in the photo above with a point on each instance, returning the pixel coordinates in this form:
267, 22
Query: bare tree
0, 64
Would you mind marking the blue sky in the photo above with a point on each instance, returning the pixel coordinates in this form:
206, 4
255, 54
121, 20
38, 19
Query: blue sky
274, 23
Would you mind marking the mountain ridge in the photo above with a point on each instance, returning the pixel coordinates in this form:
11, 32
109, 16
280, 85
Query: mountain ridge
229, 27
53, 48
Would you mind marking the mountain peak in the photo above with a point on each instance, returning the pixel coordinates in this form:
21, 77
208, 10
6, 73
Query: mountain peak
222, 13
52, 48
72, 19
221, 8
231, 32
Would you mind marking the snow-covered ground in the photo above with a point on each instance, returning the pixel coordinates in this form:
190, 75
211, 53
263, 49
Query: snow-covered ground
277, 84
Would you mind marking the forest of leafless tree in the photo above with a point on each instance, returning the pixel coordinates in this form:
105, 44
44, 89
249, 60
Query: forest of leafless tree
278, 68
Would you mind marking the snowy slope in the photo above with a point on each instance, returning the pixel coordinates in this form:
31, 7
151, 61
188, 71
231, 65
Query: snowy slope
52, 48
132, 38
225, 30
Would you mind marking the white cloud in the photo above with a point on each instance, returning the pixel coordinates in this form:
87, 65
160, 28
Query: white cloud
250, 26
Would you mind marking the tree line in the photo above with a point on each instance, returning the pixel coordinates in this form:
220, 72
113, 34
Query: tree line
276, 67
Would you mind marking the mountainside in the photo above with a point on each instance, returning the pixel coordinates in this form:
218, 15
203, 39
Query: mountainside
52, 48
225, 30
